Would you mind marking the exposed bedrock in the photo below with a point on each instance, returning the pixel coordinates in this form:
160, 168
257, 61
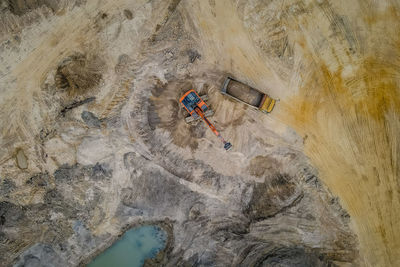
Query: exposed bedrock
217, 220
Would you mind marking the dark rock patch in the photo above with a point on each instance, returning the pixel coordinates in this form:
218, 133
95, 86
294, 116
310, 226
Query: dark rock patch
193, 55
40, 255
10, 214
54, 198
66, 173
128, 14
90, 119
41, 179
7, 186
100, 172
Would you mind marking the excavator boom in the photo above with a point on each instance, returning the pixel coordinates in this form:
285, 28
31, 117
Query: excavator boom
201, 114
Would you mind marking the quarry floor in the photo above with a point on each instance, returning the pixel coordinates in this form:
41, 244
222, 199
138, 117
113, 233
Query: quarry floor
93, 140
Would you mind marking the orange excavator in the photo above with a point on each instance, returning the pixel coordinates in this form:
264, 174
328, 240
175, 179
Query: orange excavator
197, 108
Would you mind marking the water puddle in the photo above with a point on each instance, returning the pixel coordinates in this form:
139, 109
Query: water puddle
133, 248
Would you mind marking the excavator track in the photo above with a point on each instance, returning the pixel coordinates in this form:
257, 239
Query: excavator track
208, 113
191, 119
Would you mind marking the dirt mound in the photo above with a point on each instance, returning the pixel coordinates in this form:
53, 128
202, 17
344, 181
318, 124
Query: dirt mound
273, 196
79, 73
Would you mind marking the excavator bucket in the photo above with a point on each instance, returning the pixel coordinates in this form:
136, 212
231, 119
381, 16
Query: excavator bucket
228, 146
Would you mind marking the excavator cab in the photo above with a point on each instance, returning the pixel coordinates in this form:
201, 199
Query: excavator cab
191, 100
196, 107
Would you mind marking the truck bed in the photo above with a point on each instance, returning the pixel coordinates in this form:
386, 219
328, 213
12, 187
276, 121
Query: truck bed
242, 92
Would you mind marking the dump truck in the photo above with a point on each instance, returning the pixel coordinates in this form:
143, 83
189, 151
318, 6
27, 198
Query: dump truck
197, 109
247, 95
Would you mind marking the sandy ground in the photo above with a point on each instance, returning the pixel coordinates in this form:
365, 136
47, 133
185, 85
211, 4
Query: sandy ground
334, 65
342, 95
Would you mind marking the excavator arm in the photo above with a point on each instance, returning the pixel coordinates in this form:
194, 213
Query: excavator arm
227, 145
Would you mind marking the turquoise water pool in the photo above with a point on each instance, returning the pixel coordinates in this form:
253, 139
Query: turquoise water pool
133, 248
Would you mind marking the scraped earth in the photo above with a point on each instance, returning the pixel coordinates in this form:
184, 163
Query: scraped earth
94, 141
